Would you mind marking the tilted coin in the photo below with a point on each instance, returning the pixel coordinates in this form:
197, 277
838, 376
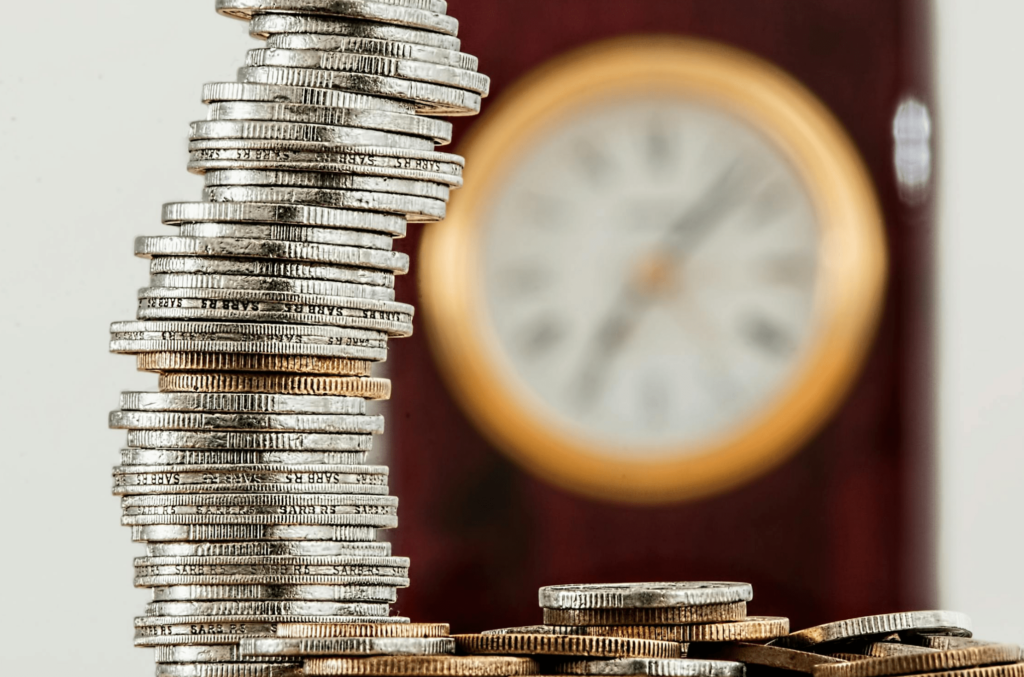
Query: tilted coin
943, 642
565, 645
652, 667
252, 532
269, 549
164, 245
238, 337
643, 595
272, 269
201, 439
538, 630
156, 457
1005, 670
383, 12
763, 655
371, 65
424, 666
707, 613
373, 47
751, 628
937, 622
347, 646
272, 130
266, 25
309, 234
269, 608
368, 388
328, 593
243, 402
886, 649
299, 215
430, 99
210, 653
183, 420
931, 661
281, 284
329, 630
214, 92
347, 182
228, 670
417, 209
437, 168
439, 131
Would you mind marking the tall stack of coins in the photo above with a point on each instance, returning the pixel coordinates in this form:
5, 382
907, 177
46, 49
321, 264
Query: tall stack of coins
246, 473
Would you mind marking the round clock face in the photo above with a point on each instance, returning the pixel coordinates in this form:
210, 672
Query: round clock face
649, 268
662, 273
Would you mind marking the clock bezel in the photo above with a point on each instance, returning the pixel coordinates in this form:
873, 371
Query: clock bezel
852, 267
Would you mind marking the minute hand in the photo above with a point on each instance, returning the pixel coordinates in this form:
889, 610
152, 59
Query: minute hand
703, 217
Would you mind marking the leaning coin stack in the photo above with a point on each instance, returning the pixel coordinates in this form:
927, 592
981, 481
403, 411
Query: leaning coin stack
246, 474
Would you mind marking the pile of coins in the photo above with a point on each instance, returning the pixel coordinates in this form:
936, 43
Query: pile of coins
246, 473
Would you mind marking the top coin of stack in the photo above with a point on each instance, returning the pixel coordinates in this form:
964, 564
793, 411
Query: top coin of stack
246, 475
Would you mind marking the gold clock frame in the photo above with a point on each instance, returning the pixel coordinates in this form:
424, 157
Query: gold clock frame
852, 270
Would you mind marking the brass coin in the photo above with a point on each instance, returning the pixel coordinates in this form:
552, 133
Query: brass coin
887, 649
1006, 670
761, 654
566, 645
292, 364
426, 666
280, 384
929, 661
683, 615
752, 628
945, 642
331, 630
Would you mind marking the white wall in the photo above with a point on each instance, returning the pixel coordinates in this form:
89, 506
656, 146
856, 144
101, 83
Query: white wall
981, 273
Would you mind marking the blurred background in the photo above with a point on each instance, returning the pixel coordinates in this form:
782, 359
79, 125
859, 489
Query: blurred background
872, 466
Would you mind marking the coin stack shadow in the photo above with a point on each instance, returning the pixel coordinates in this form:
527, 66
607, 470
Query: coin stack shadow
245, 474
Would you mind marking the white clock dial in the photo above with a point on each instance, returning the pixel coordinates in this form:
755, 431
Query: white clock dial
650, 272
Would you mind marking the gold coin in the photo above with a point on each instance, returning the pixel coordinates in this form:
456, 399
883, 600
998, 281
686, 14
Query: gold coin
293, 364
426, 666
932, 661
277, 384
752, 628
329, 630
682, 615
760, 654
566, 645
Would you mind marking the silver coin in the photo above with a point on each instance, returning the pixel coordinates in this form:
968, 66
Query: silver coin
266, 25
209, 653
538, 630
176, 213
371, 65
261, 608
345, 565
435, 6
183, 439
335, 593
253, 532
243, 402
184, 420
439, 131
297, 179
934, 622
347, 646
281, 284
206, 630
283, 575
372, 47
296, 519
356, 504
271, 269
643, 595
272, 249
652, 667
190, 480
228, 670
270, 549
332, 236
263, 130
430, 99
417, 209
380, 10
207, 156
162, 303
237, 91
151, 457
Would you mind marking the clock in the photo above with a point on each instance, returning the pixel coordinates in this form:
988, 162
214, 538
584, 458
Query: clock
662, 274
